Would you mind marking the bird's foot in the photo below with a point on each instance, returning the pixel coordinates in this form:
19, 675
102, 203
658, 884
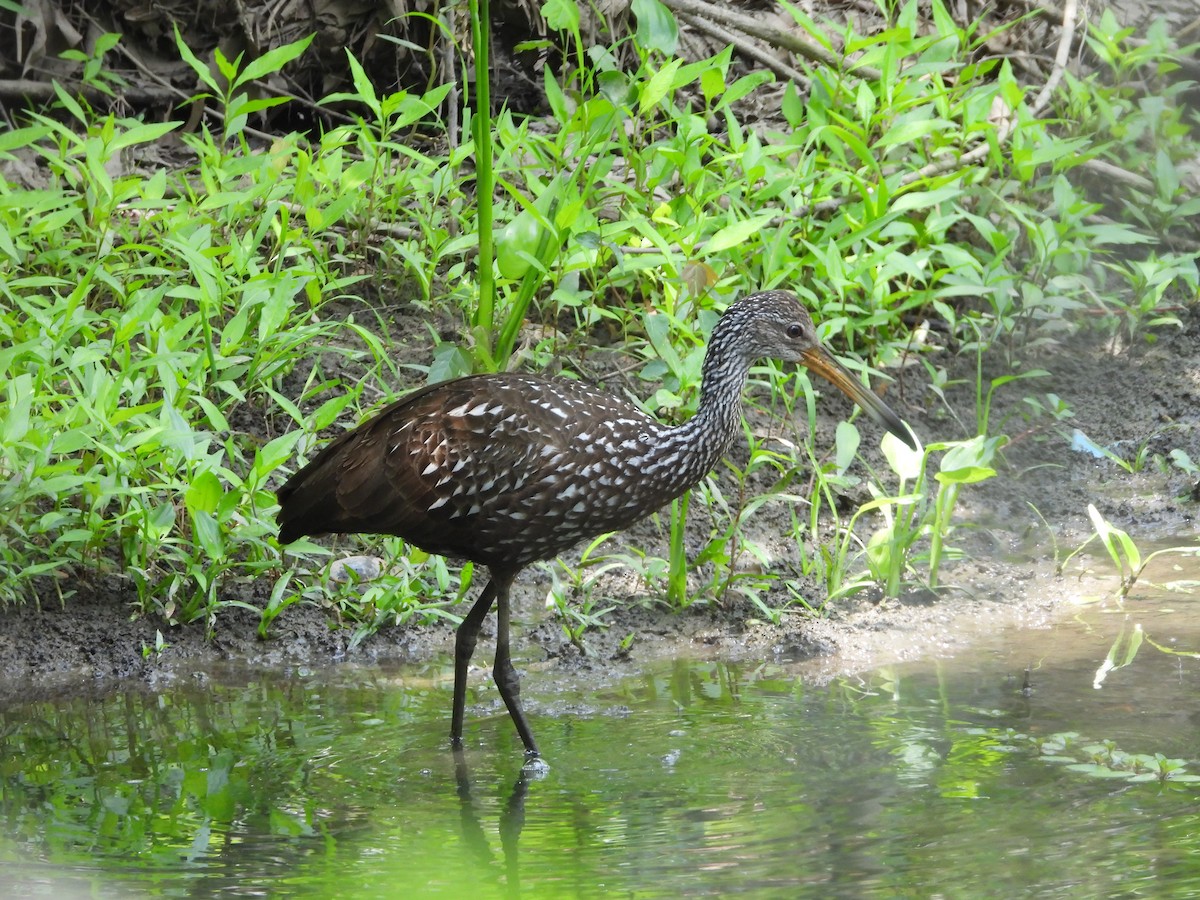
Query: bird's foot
534, 766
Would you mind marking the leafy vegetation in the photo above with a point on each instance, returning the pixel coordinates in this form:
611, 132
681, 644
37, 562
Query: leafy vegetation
171, 340
1104, 759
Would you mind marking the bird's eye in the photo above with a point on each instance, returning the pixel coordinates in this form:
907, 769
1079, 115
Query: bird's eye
795, 330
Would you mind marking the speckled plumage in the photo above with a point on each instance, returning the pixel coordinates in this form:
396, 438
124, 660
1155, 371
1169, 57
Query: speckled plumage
508, 469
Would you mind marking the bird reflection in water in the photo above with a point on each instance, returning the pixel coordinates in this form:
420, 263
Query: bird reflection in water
512, 821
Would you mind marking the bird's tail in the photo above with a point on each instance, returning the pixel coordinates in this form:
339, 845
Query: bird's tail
308, 501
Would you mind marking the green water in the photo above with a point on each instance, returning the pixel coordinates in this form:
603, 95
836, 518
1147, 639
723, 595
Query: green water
692, 779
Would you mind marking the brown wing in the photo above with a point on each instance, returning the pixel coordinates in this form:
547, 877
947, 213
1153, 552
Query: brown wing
469, 468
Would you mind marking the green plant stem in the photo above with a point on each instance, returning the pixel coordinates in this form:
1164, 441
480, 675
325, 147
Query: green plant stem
943, 505
484, 182
677, 574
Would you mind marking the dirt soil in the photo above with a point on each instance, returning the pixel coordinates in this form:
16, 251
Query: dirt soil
1144, 396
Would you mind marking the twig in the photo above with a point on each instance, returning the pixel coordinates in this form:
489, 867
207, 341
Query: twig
778, 66
773, 36
1187, 64
43, 92
1116, 173
1060, 59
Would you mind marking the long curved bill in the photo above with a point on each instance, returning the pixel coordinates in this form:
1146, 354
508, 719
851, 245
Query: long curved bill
818, 359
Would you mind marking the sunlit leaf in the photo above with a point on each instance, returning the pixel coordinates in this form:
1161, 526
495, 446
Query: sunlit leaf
736, 233
656, 26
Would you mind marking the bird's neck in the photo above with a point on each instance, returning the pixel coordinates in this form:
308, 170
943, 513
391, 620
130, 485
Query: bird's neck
706, 437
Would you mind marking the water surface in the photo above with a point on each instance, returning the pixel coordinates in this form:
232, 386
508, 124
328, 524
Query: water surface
1001, 772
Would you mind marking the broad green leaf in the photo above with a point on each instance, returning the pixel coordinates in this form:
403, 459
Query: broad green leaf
712, 79
561, 15
203, 493
277, 451
657, 330
865, 102
846, 445
327, 412
16, 412
208, 535
745, 85
736, 233
656, 27
656, 88
449, 361
22, 137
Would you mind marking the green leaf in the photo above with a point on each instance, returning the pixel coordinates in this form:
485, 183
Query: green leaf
846, 443
16, 413
924, 199
658, 85
561, 15
277, 451
362, 84
1115, 542
22, 137
911, 132
657, 330
449, 361
142, 134
69, 104
208, 535
656, 27
273, 60
327, 413
204, 492
967, 462
712, 79
201, 69
736, 233
745, 85
554, 95
865, 102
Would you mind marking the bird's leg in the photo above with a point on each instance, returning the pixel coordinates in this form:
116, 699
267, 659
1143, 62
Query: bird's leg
505, 675
464, 648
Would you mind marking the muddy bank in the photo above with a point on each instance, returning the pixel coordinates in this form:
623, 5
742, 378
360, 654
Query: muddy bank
1140, 401
94, 645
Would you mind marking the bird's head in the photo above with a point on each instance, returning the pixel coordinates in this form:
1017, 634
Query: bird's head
778, 327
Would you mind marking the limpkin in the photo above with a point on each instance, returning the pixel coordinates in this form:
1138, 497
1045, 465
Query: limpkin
508, 469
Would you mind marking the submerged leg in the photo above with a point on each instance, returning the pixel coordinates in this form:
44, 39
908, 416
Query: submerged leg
505, 675
464, 647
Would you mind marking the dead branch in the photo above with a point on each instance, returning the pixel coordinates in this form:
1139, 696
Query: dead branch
43, 92
773, 36
747, 48
1066, 38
